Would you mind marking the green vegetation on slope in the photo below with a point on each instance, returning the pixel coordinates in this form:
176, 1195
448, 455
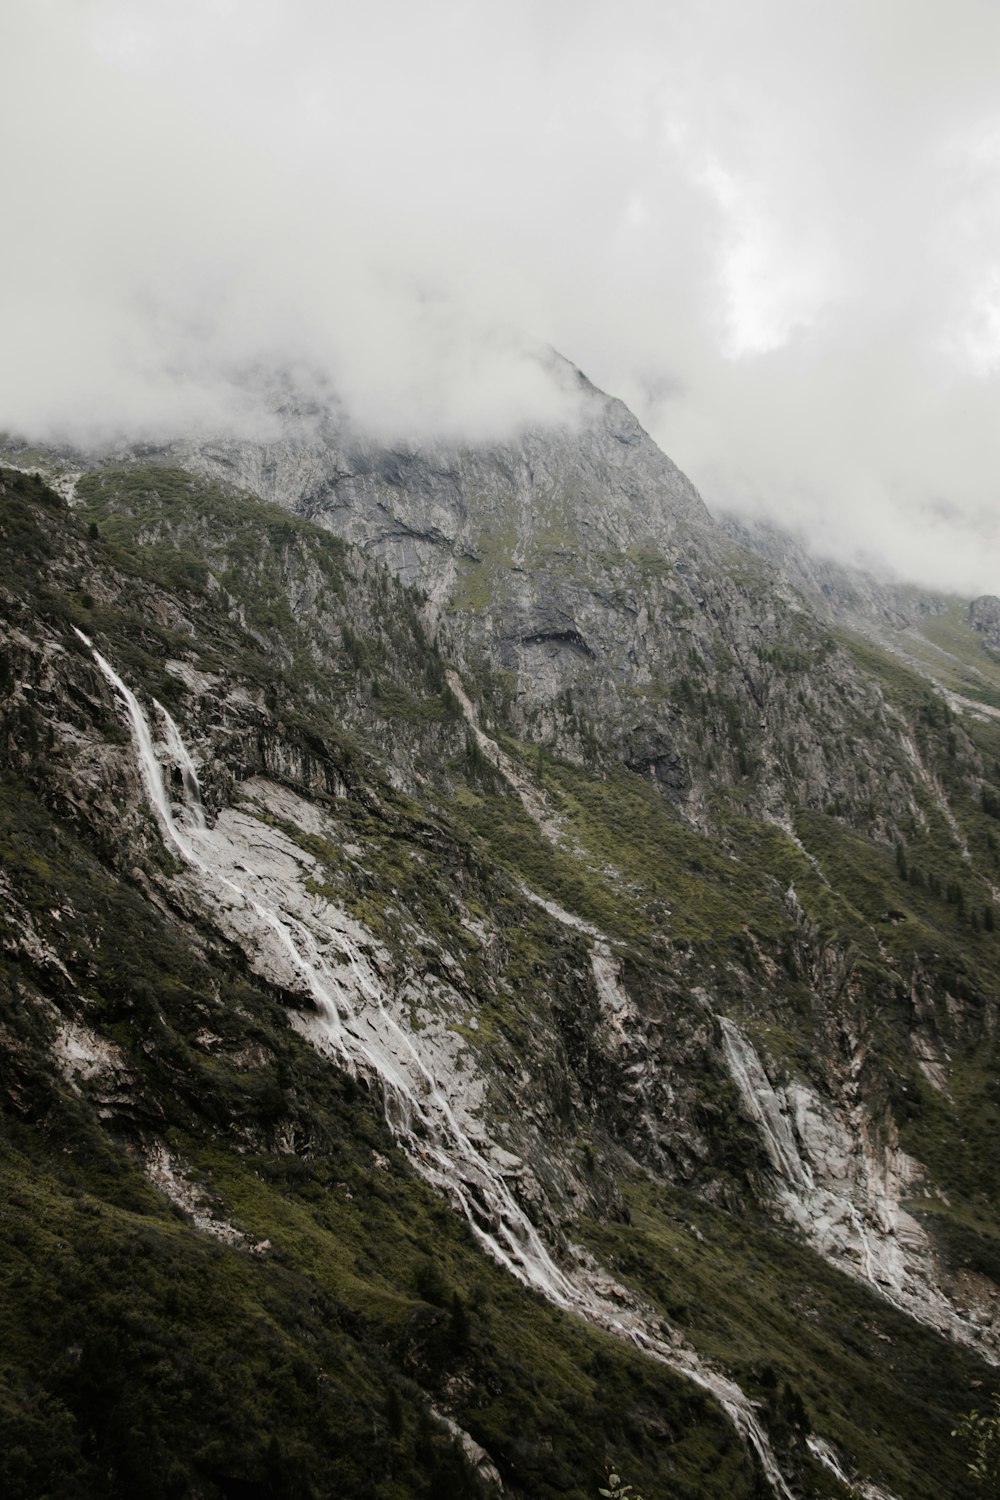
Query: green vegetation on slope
817, 1352
961, 661
142, 1357
308, 1365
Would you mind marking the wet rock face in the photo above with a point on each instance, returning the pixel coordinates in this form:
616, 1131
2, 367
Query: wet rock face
843, 1180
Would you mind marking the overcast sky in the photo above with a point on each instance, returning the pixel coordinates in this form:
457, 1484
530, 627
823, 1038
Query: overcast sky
771, 226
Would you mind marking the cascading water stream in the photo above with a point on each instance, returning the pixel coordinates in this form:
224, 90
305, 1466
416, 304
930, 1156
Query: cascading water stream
421, 1117
762, 1103
455, 1169
189, 776
809, 1201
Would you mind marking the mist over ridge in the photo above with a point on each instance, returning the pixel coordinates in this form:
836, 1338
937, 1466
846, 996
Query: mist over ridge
771, 234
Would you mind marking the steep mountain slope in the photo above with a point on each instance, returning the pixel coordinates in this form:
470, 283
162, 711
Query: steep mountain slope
838, 591
952, 641
294, 1331
655, 917
580, 569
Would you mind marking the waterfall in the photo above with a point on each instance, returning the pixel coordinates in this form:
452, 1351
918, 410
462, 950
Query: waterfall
761, 1103
189, 776
820, 1203
419, 1115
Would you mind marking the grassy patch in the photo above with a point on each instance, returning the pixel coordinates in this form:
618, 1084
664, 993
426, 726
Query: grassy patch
804, 1339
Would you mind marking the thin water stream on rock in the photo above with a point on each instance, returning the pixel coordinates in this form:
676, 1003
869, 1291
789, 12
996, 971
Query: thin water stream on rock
417, 1110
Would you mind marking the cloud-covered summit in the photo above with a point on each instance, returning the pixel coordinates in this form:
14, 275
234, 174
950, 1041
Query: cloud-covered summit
771, 228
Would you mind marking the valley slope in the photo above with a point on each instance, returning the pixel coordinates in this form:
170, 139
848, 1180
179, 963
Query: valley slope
537, 875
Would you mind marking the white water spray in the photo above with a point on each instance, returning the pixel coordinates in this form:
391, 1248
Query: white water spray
189, 776
417, 1110
421, 1116
825, 1454
843, 1184
762, 1104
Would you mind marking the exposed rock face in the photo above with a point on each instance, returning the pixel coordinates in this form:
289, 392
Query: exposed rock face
628, 892
984, 617
835, 590
426, 510
843, 1180
583, 565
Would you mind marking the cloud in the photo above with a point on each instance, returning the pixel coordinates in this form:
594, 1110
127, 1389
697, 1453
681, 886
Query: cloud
770, 227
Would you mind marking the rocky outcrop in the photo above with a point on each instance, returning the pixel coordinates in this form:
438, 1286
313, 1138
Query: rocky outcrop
581, 567
984, 617
598, 864
852, 594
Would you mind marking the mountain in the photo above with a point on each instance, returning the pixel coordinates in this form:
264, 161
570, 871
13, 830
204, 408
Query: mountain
952, 641
497, 980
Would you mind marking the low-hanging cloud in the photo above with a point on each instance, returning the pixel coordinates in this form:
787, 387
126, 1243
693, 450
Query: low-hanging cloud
770, 227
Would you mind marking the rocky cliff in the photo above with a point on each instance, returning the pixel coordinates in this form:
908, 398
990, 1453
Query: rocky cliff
984, 617
540, 973
580, 569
